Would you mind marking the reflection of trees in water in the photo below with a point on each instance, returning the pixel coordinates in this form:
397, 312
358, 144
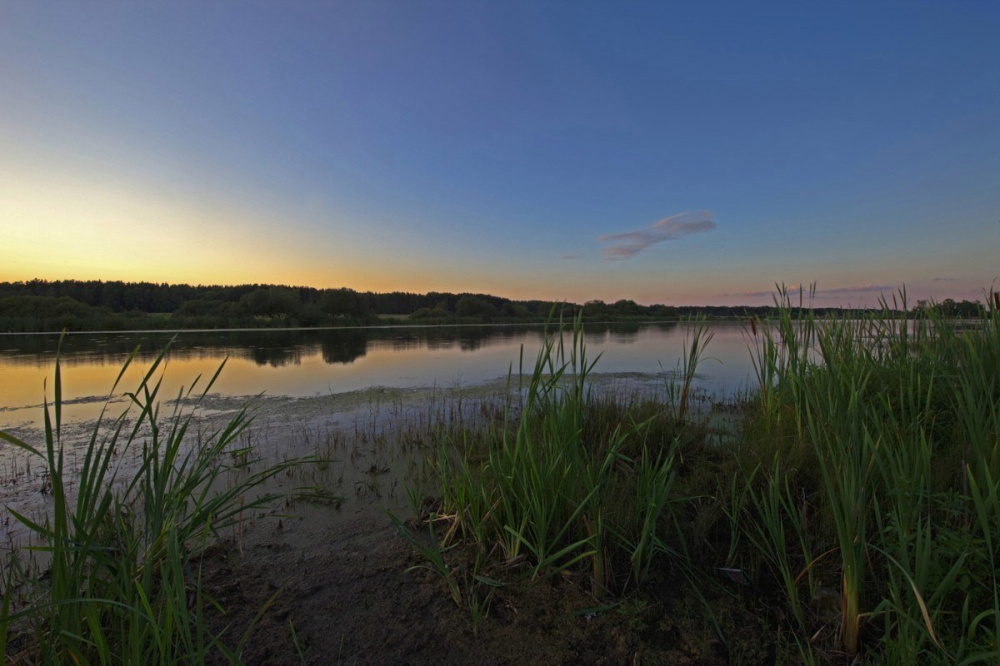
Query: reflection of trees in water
279, 348
445, 337
344, 346
624, 337
470, 343
412, 343
622, 333
625, 333
81, 349
475, 339
274, 348
435, 345
260, 347
665, 326
277, 357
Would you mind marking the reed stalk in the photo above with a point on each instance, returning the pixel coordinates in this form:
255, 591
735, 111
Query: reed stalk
558, 486
118, 587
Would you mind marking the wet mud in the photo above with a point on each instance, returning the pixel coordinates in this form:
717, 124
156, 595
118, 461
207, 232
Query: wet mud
325, 578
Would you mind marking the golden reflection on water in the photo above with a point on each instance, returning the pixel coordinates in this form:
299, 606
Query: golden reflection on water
301, 370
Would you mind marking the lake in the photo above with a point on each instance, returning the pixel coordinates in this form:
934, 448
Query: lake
311, 362
353, 395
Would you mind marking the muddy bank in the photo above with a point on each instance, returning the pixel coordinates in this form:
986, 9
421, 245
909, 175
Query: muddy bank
372, 438
355, 599
324, 577
341, 585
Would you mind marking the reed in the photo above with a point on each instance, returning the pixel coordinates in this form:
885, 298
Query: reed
862, 486
697, 336
120, 584
888, 428
565, 481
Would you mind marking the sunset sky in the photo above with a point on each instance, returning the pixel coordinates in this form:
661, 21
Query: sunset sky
680, 153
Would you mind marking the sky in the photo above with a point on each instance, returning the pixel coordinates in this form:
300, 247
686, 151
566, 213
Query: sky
679, 153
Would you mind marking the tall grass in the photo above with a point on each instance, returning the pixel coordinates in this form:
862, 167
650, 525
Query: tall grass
865, 493
565, 483
888, 427
121, 584
697, 336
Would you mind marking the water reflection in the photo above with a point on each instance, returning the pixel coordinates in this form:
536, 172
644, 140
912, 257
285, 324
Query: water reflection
625, 334
345, 349
274, 348
279, 348
301, 363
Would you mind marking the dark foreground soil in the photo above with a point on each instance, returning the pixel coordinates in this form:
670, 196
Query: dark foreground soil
342, 586
354, 598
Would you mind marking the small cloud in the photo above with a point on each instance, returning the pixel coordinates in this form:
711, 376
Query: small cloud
571, 256
942, 279
630, 243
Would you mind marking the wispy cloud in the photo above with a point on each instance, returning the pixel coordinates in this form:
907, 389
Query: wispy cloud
630, 243
571, 256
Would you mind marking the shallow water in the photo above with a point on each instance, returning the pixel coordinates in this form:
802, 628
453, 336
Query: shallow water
305, 363
352, 395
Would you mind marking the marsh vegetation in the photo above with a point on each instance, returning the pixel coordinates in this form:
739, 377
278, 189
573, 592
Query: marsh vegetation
855, 510
109, 576
842, 509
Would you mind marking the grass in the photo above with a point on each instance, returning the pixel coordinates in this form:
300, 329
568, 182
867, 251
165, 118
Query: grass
550, 488
859, 500
120, 584
887, 428
855, 515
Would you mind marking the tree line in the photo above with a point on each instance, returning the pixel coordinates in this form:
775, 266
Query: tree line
76, 305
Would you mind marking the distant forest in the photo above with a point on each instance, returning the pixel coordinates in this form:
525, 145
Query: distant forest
94, 305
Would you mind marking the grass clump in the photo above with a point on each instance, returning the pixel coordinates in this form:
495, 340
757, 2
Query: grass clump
563, 482
856, 511
870, 458
120, 584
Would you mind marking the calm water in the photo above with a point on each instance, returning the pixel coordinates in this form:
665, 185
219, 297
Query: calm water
304, 363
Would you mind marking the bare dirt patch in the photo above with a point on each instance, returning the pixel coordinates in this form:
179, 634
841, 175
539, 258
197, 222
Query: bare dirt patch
355, 599
340, 585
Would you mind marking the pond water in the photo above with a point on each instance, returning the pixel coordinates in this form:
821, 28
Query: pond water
360, 397
311, 362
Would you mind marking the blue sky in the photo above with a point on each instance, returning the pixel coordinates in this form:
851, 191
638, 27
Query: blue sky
654, 151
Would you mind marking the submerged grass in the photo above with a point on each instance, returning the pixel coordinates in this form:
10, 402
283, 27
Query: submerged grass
120, 584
